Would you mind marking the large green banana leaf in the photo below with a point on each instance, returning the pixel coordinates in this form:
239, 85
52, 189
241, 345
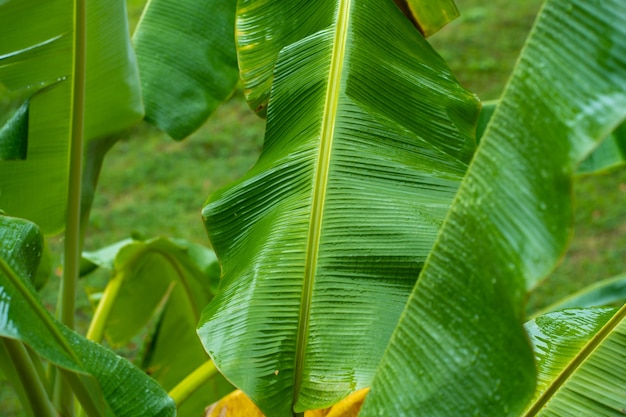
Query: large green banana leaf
460, 348
322, 240
581, 363
610, 291
187, 60
174, 278
37, 65
609, 154
126, 390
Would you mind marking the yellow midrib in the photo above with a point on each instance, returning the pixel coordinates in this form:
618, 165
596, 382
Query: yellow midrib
319, 187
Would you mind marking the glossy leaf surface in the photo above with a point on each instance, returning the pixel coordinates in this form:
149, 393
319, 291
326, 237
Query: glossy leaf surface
126, 390
173, 279
605, 292
36, 60
609, 154
581, 362
460, 348
322, 240
187, 59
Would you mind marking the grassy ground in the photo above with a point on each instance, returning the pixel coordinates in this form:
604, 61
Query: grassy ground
152, 186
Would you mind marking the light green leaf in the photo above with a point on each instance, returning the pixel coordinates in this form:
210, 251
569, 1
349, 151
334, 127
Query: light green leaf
606, 292
611, 153
322, 240
581, 363
36, 55
509, 224
429, 15
126, 390
187, 60
174, 278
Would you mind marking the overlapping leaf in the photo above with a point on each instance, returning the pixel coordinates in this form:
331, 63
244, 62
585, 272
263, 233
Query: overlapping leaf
173, 280
187, 59
37, 62
322, 240
606, 292
126, 390
581, 363
609, 154
508, 225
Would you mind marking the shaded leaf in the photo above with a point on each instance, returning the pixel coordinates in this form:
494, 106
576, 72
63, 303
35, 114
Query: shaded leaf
126, 390
36, 52
364, 149
14, 135
187, 60
460, 348
173, 278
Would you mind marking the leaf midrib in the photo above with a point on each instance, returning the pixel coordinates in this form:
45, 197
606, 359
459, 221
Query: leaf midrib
577, 362
327, 130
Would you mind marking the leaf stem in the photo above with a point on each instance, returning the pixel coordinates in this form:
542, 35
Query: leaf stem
100, 317
27, 382
72, 249
192, 382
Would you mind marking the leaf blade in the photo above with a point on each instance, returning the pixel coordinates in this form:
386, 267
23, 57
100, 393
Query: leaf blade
508, 225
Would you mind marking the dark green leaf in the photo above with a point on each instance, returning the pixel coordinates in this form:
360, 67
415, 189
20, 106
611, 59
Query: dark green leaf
126, 390
322, 240
187, 60
460, 348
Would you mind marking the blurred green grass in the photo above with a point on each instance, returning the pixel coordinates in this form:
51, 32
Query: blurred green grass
151, 185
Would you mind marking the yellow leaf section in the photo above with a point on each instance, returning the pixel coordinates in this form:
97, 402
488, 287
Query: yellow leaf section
427, 15
237, 404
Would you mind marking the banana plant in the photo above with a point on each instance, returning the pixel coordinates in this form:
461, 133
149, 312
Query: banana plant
372, 245
295, 228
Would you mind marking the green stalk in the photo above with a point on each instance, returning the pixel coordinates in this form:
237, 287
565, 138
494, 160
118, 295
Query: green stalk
192, 382
26, 380
72, 249
100, 317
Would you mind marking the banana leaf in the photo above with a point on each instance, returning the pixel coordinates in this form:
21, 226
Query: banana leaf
321, 242
187, 60
460, 347
174, 279
609, 154
103, 381
606, 292
429, 16
37, 65
581, 363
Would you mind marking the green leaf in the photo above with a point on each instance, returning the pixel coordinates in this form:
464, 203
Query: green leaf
37, 52
581, 363
14, 135
609, 154
606, 292
126, 390
187, 60
429, 16
322, 240
460, 348
174, 278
